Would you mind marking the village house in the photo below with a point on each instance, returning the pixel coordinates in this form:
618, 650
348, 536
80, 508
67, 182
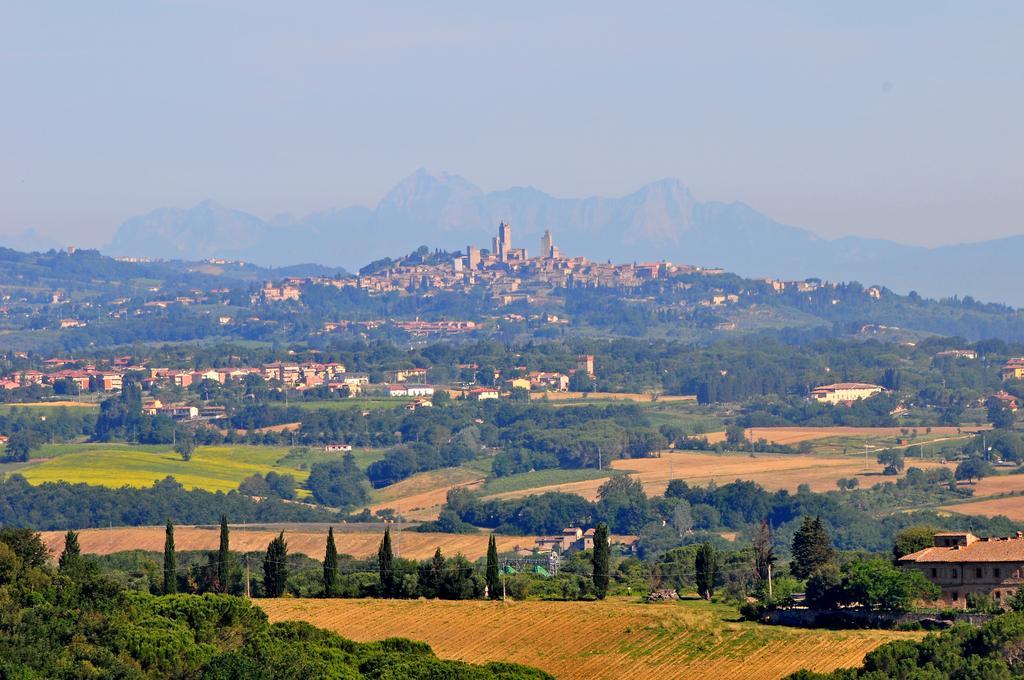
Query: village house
409, 375
960, 564
1006, 400
179, 412
845, 393
337, 448
572, 539
418, 403
483, 393
1013, 369
518, 383
557, 382
958, 354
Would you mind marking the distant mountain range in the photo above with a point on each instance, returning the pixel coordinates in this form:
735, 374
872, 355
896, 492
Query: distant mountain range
661, 220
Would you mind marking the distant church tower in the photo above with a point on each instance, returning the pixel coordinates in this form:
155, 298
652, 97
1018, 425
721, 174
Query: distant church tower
547, 244
504, 241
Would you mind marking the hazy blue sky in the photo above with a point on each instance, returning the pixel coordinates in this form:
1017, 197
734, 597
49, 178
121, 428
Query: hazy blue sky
900, 120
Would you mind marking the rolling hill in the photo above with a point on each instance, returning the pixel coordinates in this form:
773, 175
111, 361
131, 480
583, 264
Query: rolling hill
661, 220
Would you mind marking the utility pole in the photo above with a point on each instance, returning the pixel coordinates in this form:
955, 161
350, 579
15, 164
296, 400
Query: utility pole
248, 594
503, 566
769, 580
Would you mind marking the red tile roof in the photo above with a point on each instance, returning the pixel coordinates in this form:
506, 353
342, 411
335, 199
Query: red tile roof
981, 550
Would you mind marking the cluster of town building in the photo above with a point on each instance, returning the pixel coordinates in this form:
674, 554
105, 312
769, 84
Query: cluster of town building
408, 382
510, 275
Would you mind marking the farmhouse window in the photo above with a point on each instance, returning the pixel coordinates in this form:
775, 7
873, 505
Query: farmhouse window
956, 596
977, 572
997, 572
935, 572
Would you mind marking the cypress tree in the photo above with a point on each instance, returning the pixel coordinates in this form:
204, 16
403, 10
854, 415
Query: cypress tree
706, 570
601, 550
275, 567
223, 557
331, 566
386, 565
812, 548
493, 572
71, 553
170, 562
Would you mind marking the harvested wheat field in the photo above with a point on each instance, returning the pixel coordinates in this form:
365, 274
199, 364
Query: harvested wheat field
421, 496
795, 435
997, 485
1009, 506
617, 638
639, 397
360, 544
778, 471
998, 495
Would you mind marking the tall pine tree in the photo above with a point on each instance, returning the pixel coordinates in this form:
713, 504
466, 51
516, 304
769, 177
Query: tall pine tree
386, 565
223, 557
72, 552
764, 552
170, 562
601, 557
493, 571
331, 566
705, 568
812, 548
275, 567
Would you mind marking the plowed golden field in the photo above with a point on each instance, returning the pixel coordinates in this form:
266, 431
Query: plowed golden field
618, 638
361, 544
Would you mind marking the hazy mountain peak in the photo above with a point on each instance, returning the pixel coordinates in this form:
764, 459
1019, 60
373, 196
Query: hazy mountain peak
659, 220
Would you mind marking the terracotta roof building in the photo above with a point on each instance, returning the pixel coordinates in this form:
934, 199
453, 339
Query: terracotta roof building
960, 563
845, 393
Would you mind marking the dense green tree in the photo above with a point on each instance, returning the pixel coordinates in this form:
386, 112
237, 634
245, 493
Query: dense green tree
185, 446
973, 469
493, 570
877, 585
71, 556
386, 566
338, 483
601, 560
912, 539
275, 567
736, 436
706, 570
893, 460
170, 562
433, 575
623, 505
18, 448
812, 548
1001, 417
764, 551
223, 557
330, 566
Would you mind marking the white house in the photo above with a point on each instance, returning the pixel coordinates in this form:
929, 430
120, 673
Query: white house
845, 393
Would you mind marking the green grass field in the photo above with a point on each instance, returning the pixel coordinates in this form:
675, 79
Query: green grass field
693, 418
214, 468
530, 480
367, 404
46, 409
